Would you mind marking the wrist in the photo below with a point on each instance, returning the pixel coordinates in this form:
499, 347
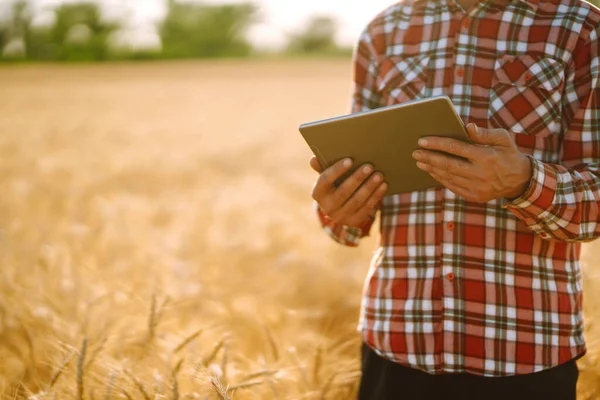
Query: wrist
366, 224
362, 228
524, 180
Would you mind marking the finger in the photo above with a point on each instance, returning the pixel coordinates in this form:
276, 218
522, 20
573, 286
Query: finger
325, 182
454, 188
314, 164
449, 177
348, 188
368, 209
372, 204
359, 197
444, 162
489, 137
451, 146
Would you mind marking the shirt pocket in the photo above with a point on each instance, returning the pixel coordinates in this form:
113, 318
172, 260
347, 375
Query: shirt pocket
402, 79
526, 94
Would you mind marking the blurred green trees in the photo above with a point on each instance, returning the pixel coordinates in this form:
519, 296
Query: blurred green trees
318, 36
78, 32
206, 30
13, 29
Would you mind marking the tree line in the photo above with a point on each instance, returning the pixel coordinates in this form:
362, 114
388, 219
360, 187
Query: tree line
78, 32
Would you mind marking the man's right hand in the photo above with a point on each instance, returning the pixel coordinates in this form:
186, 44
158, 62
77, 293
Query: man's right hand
352, 203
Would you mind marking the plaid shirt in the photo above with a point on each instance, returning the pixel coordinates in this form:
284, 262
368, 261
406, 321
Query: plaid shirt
490, 289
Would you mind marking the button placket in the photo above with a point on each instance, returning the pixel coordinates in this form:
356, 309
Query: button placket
464, 39
447, 254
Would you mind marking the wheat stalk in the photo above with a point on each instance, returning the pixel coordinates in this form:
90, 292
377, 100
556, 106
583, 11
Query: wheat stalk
259, 374
61, 368
178, 366
211, 356
188, 340
317, 365
245, 385
224, 361
155, 315
152, 319
29, 340
301, 369
99, 347
272, 343
175, 387
126, 394
26, 389
341, 344
81, 369
327, 385
109, 384
175, 372
350, 377
138, 384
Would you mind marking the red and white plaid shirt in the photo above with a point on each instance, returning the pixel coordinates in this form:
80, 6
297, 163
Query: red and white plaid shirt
490, 289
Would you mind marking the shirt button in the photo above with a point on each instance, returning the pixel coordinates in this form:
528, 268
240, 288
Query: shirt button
528, 77
450, 226
544, 235
465, 23
450, 276
460, 72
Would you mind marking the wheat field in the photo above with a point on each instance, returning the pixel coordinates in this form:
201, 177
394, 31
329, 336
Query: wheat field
157, 237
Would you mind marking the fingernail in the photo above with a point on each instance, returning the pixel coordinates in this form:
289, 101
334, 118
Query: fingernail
416, 154
421, 165
377, 178
367, 169
423, 142
347, 162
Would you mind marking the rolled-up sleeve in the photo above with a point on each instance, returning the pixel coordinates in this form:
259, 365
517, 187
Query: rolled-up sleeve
562, 201
365, 97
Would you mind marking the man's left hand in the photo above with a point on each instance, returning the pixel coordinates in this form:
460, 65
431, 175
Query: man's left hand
490, 168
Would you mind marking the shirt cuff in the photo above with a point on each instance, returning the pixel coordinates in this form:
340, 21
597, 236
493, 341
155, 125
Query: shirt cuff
346, 235
539, 195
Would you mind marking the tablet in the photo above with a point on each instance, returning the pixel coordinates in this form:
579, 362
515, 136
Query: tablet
386, 137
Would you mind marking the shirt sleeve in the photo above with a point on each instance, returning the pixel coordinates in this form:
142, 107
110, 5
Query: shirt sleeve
562, 201
365, 97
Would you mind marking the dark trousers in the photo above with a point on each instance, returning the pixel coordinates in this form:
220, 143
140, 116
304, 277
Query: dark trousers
383, 380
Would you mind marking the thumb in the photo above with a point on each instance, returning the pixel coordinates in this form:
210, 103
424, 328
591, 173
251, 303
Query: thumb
314, 164
489, 137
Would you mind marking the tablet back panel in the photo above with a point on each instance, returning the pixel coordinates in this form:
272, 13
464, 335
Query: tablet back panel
386, 137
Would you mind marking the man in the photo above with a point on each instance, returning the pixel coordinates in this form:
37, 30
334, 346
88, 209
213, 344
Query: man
474, 291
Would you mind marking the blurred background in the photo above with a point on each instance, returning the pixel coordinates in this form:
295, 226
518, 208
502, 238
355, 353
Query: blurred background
55, 30
157, 236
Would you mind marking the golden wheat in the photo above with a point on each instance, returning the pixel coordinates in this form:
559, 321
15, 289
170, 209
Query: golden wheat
156, 225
